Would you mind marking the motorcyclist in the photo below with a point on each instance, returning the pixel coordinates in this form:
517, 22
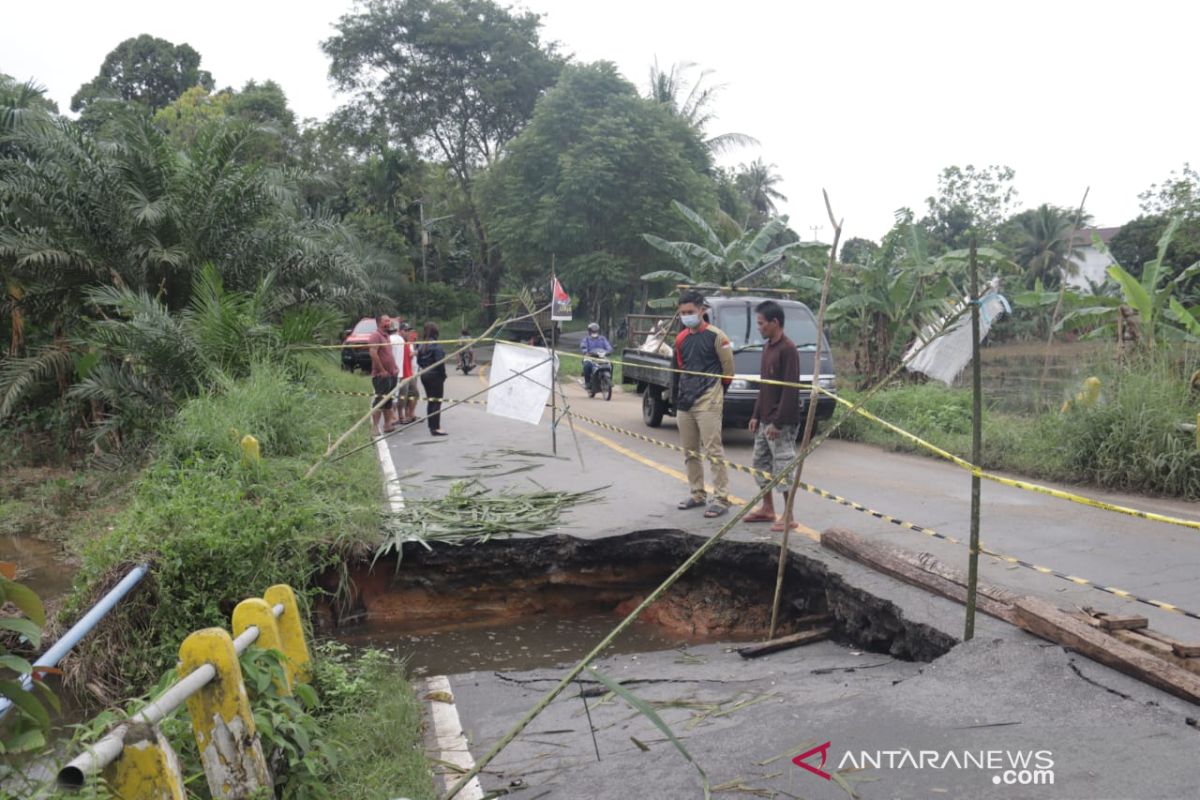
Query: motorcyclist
594, 344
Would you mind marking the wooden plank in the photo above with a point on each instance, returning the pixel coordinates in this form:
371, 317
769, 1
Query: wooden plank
1042, 619
1122, 622
1181, 649
922, 571
1148, 640
784, 643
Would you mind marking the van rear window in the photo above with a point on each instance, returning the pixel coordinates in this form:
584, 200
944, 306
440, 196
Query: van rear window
798, 326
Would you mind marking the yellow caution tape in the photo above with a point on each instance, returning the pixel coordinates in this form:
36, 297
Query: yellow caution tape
911, 526
1049, 491
378, 344
1026, 485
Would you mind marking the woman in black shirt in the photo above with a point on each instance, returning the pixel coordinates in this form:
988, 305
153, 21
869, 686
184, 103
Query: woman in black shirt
434, 380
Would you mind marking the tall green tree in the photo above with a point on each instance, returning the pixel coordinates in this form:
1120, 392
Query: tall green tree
1177, 196
455, 78
596, 166
969, 201
857, 250
144, 71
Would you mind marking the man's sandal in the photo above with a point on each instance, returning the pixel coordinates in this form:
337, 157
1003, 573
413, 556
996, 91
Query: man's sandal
691, 502
715, 510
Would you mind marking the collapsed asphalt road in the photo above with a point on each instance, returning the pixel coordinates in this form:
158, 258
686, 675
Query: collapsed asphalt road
1005, 692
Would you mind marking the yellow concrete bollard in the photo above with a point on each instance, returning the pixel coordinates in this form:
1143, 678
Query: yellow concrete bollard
222, 721
251, 451
147, 768
255, 611
291, 630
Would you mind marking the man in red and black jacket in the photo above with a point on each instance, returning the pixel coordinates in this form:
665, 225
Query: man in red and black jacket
705, 356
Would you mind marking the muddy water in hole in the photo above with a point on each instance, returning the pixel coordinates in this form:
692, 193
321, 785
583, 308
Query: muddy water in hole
40, 565
542, 641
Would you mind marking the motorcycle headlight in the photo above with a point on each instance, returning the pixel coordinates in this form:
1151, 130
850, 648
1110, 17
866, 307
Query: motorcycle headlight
828, 384
739, 385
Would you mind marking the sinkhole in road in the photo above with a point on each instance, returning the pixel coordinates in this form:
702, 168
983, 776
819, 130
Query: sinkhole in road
533, 602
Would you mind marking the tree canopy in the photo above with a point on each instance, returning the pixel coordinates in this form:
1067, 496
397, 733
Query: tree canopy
595, 168
145, 70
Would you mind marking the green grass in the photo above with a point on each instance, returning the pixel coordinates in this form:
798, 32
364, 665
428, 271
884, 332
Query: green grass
377, 719
1129, 441
215, 530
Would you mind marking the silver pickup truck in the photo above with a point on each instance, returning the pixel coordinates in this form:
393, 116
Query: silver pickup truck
651, 374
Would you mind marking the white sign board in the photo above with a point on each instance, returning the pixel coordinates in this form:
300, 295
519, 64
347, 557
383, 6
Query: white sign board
524, 397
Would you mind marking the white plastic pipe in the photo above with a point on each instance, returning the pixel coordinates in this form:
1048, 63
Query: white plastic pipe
105, 751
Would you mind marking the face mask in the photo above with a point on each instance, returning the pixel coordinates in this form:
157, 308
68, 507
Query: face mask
594, 335
690, 320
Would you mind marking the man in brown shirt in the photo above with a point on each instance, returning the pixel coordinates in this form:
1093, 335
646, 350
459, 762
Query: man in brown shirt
383, 377
776, 416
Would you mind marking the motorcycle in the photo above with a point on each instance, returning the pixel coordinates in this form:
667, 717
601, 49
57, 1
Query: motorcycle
601, 378
466, 361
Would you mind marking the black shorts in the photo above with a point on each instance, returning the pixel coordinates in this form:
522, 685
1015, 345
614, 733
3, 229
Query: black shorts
385, 387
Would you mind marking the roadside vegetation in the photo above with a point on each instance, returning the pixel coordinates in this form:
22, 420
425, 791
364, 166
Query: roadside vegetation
170, 256
1134, 437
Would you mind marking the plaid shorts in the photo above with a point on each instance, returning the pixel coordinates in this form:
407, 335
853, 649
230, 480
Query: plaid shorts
774, 455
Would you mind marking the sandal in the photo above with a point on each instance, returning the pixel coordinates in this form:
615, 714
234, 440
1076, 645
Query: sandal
691, 502
715, 510
759, 516
778, 526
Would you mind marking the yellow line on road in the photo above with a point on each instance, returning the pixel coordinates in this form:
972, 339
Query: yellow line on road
654, 465
674, 473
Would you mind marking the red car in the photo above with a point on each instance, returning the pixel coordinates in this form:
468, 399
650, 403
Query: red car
358, 356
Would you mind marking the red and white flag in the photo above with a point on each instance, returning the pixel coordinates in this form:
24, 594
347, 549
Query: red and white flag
560, 302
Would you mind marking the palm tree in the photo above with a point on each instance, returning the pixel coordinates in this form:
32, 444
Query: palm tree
1046, 247
756, 181
692, 101
131, 212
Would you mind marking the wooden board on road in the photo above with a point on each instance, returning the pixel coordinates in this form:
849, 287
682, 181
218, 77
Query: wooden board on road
921, 570
784, 643
1045, 620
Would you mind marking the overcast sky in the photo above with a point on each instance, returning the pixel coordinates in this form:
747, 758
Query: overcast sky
866, 99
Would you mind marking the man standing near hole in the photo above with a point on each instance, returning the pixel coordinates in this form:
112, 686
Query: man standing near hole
702, 348
383, 377
776, 417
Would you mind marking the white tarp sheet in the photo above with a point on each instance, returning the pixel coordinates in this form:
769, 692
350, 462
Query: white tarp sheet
945, 357
524, 397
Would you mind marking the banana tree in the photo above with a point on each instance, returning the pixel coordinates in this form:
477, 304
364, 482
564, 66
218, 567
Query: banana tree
898, 293
710, 261
1153, 299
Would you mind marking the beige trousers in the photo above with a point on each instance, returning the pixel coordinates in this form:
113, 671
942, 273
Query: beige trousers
700, 431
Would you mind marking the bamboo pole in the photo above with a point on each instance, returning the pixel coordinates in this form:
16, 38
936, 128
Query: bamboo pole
548, 698
810, 418
976, 449
338, 442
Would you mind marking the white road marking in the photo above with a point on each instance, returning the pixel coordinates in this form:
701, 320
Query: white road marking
391, 481
448, 736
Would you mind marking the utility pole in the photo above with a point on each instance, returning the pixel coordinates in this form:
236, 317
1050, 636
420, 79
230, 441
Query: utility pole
814, 229
424, 240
